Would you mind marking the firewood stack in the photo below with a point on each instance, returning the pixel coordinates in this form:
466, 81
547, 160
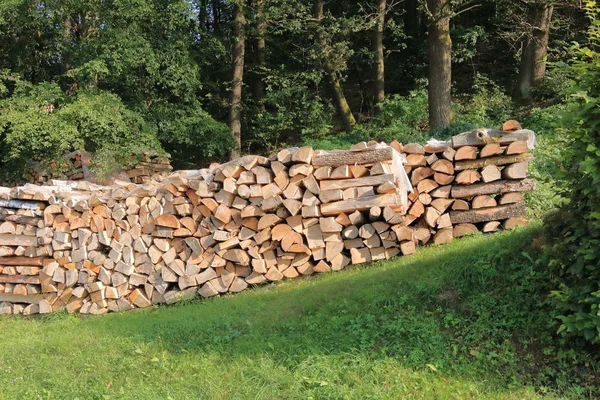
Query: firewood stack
73, 167
86, 248
152, 167
76, 166
472, 183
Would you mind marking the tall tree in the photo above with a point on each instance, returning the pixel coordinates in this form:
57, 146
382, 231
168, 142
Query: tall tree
237, 81
348, 120
261, 50
439, 48
379, 61
533, 59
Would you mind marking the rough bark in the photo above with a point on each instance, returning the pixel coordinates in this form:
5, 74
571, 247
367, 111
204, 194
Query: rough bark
235, 107
439, 47
203, 15
379, 61
533, 63
348, 120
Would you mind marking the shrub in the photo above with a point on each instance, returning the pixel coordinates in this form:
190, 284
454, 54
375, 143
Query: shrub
574, 250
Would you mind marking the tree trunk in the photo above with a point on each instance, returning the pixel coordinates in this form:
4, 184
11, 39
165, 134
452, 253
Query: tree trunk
341, 103
235, 110
64, 66
533, 59
216, 14
440, 64
261, 52
203, 15
379, 62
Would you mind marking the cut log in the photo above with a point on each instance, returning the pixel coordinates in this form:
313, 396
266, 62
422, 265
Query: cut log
518, 147
443, 236
482, 201
513, 222
500, 187
361, 204
467, 177
407, 247
22, 240
488, 214
491, 226
464, 230
516, 171
303, 155
421, 173
29, 261
167, 220
443, 166
490, 149
413, 148
497, 160
443, 179
490, 173
507, 198
336, 158
466, 153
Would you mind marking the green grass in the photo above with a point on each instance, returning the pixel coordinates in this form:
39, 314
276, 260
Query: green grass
453, 322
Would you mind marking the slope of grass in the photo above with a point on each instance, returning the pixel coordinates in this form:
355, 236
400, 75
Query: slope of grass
453, 322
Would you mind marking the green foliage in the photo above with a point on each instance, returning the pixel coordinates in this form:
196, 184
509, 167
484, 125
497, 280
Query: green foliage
489, 106
574, 233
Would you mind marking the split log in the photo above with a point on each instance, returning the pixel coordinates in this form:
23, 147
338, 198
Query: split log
490, 149
361, 204
464, 230
467, 177
491, 226
509, 198
516, 171
518, 147
465, 153
482, 201
513, 222
488, 214
500, 187
374, 180
490, 173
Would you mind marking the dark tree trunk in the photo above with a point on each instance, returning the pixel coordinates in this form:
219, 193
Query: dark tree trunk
261, 52
439, 47
203, 16
216, 14
533, 59
379, 61
235, 110
339, 98
66, 53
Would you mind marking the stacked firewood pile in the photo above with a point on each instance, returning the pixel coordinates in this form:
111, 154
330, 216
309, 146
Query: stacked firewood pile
76, 166
93, 249
472, 183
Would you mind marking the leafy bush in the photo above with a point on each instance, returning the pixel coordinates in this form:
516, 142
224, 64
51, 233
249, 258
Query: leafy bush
574, 233
489, 106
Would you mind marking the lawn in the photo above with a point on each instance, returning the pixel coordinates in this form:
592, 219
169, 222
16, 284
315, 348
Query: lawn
454, 322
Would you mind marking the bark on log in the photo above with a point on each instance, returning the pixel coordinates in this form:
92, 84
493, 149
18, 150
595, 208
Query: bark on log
499, 187
481, 137
488, 214
497, 160
349, 157
361, 204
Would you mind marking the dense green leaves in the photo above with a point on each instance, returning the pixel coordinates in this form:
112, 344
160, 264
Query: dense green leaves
575, 232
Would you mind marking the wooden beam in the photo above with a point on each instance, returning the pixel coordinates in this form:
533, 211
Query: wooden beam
19, 298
